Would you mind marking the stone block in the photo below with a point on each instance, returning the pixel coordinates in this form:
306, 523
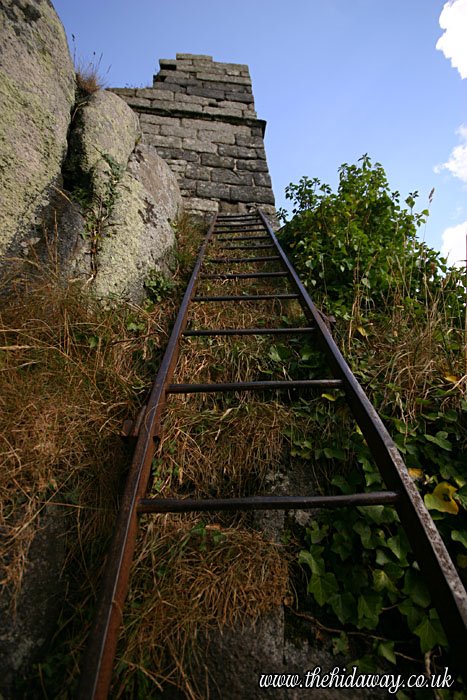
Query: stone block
252, 194
214, 190
187, 186
178, 79
201, 91
195, 100
165, 141
230, 177
244, 98
162, 96
216, 136
202, 205
192, 124
252, 165
173, 130
168, 64
261, 153
193, 57
199, 146
159, 119
177, 154
138, 102
197, 172
216, 111
124, 92
233, 80
237, 151
262, 179
263, 195
150, 130
170, 87
215, 161
251, 141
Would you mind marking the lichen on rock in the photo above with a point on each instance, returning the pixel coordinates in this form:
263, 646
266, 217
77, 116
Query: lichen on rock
37, 86
138, 236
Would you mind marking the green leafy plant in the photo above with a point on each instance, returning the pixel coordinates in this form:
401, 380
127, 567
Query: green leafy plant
157, 285
97, 205
401, 323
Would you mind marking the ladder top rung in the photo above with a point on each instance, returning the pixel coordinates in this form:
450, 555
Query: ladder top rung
262, 246
243, 275
246, 297
246, 238
248, 331
254, 386
240, 230
185, 505
264, 258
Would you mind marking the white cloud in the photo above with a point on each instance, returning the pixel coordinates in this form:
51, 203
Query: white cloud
453, 245
453, 43
457, 163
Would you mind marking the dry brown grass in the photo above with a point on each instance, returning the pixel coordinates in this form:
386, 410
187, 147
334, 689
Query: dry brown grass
89, 78
191, 577
212, 449
68, 378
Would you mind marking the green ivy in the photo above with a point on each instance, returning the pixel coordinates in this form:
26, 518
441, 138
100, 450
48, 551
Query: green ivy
400, 314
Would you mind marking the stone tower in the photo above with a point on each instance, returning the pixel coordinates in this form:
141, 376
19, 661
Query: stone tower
200, 115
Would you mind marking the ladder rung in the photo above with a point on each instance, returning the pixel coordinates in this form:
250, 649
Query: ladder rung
248, 331
188, 505
233, 217
244, 275
254, 386
247, 238
244, 229
265, 258
246, 297
247, 247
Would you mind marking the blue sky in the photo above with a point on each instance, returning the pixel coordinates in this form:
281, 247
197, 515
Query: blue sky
333, 78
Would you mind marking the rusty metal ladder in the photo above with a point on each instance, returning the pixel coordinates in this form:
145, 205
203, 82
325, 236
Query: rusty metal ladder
252, 232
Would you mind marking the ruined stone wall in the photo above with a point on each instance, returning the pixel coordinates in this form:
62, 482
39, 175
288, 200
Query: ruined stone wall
200, 116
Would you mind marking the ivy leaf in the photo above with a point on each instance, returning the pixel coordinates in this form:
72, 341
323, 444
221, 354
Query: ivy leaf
342, 545
399, 547
386, 650
342, 484
343, 605
334, 453
442, 499
461, 496
382, 581
460, 536
323, 587
316, 533
415, 588
439, 441
413, 613
364, 530
340, 644
430, 632
315, 563
369, 609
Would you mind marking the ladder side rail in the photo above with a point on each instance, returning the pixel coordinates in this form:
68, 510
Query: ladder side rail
97, 665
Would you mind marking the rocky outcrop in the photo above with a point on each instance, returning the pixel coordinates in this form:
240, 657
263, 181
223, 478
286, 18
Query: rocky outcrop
37, 87
138, 237
105, 131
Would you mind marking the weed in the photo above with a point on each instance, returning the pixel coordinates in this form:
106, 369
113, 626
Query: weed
89, 78
157, 285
